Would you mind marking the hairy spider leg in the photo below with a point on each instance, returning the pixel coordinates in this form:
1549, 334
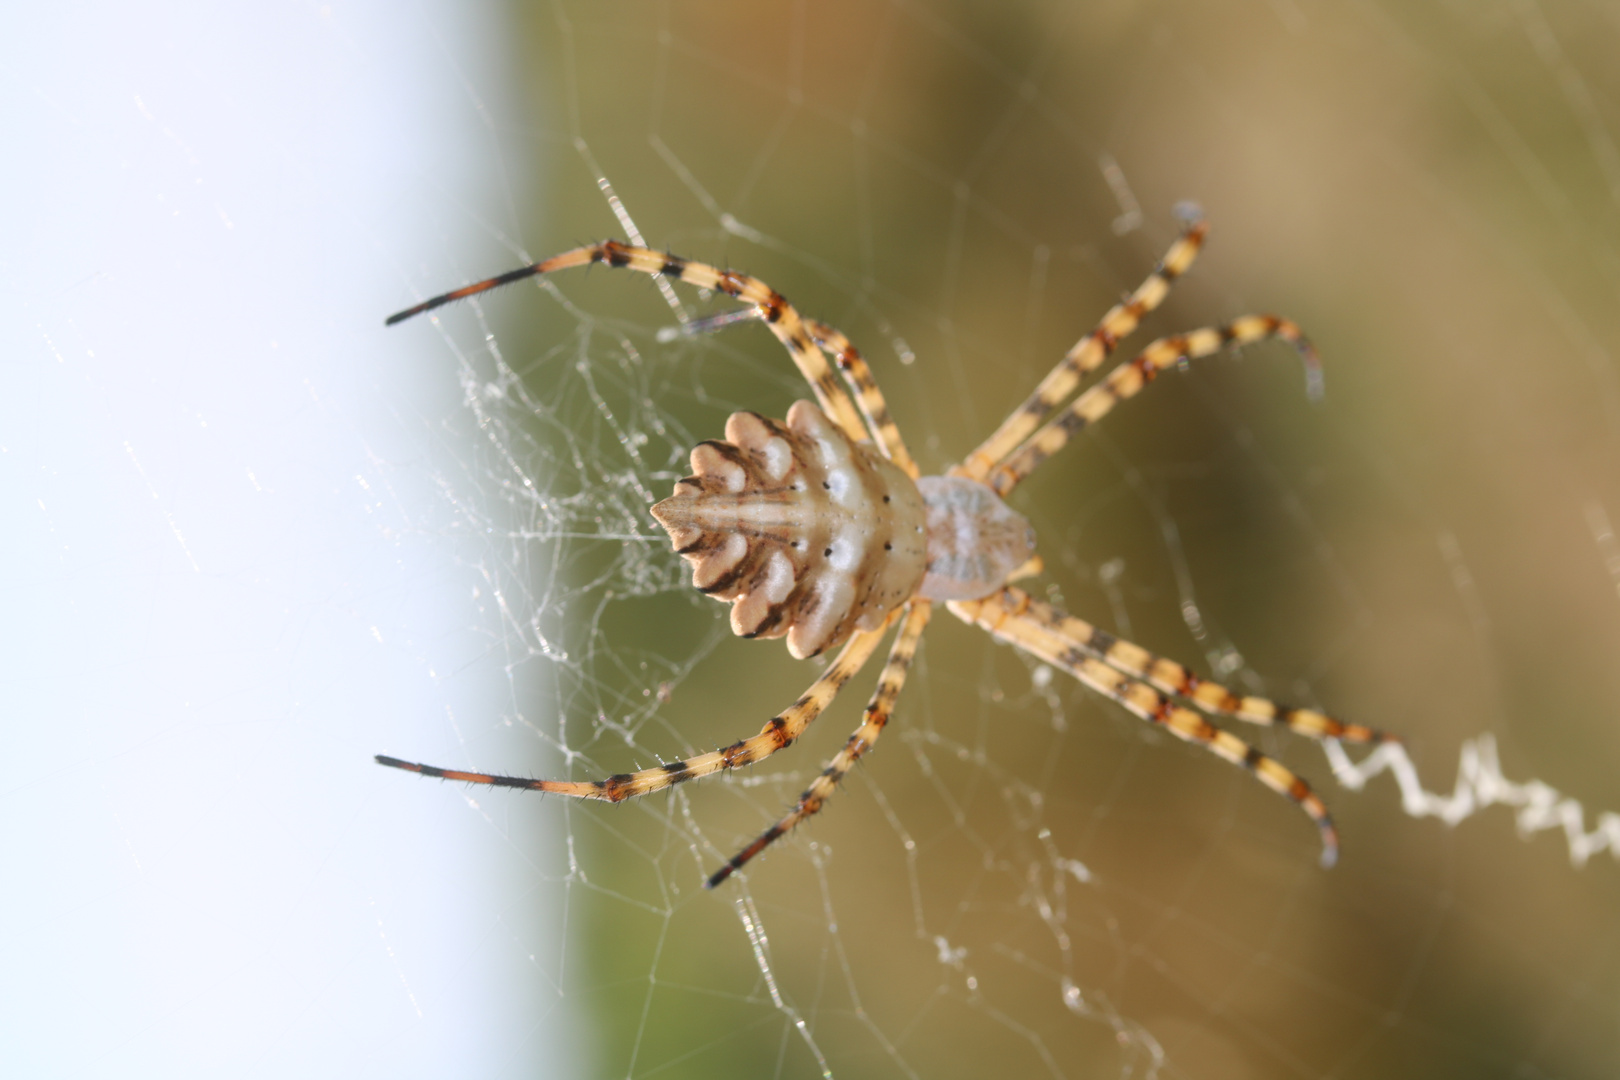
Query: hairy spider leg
782, 318
1087, 354
778, 734
873, 720
868, 397
1006, 615
1172, 678
1127, 380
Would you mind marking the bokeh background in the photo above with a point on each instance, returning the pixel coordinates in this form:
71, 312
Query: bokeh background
257, 539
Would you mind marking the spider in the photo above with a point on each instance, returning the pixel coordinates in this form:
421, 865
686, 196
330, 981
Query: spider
820, 529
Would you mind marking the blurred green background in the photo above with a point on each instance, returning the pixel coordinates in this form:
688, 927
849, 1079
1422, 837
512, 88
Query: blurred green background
1431, 190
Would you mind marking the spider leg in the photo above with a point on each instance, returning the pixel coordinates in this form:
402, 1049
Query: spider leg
1087, 354
1167, 675
867, 395
872, 723
1006, 615
778, 734
1127, 381
868, 398
782, 318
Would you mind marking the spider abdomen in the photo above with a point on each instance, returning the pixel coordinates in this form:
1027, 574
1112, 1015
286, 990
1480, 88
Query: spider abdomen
807, 534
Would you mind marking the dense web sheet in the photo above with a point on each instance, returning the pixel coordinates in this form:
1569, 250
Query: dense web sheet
1019, 873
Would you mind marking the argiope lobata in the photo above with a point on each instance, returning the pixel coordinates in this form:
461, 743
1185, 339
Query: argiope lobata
820, 529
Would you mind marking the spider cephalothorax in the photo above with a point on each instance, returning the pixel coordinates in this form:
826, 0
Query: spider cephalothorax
820, 529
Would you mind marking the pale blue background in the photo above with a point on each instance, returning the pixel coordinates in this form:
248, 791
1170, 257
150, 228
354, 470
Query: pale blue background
223, 588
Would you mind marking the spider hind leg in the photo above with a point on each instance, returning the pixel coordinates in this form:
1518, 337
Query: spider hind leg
778, 734
779, 315
873, 721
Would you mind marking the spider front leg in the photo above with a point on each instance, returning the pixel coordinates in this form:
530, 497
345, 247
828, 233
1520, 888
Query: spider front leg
1128, 380
872, 723
1007, 617
1167, 675
1090, 351
778, 734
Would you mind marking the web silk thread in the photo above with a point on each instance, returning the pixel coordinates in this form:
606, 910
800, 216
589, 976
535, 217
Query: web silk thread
1480, 784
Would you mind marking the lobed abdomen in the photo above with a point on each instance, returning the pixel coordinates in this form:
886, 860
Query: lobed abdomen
807, 534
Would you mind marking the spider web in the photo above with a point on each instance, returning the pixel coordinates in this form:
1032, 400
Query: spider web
1021, 877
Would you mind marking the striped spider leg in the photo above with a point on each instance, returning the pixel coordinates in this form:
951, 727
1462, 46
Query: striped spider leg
1106, 664
1091, 351
783, 320
780, 732
868, 398
1129, 379
873, 721
1144, 683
